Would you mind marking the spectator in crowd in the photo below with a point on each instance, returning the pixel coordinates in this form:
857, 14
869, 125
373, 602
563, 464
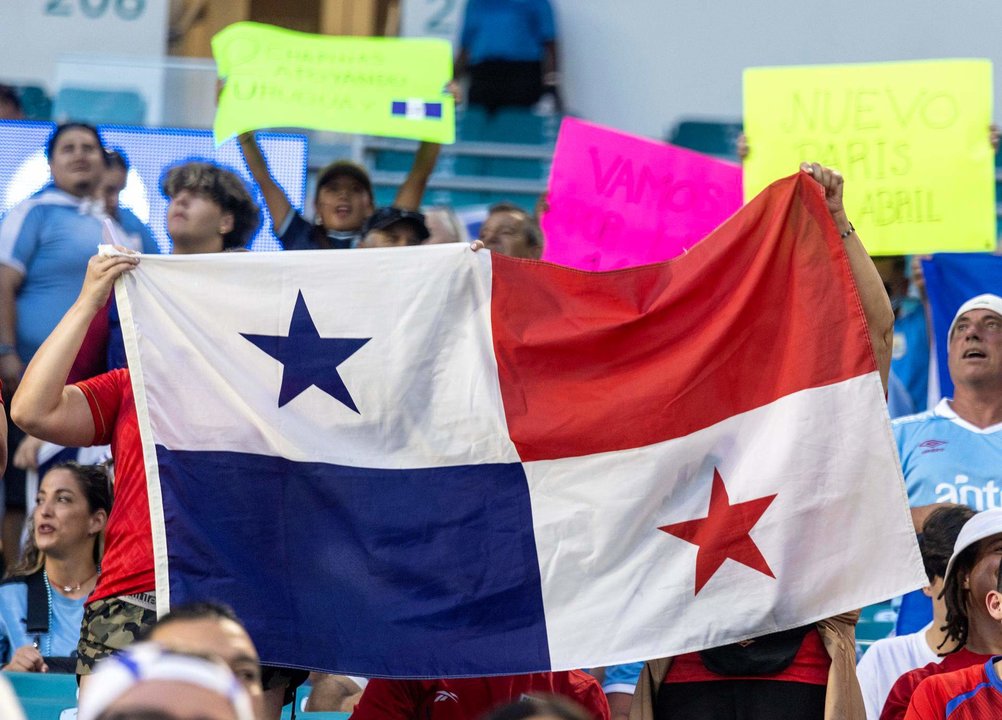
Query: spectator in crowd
472, 697
45, 242
444, 226
509, 50
888, 659
393, 227
149, 682
804, 673
10, 104
210, 210
910, 361
334, 693
539, 708
970, 574
510, 230
953, 453
42, 603
135, 236
342, 202
212, 629
974, 692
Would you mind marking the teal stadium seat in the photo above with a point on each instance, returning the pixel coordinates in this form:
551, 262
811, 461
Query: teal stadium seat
393, 160
35, 103
709, 137
512, 125
875, 623
44, 696
99, 107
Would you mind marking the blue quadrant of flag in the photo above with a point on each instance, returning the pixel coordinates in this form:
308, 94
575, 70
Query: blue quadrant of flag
344, 540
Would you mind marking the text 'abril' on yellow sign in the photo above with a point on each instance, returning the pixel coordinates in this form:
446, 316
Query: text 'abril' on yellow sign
374, 86
911, 139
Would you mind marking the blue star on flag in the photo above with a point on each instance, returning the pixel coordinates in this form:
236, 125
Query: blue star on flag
308, 359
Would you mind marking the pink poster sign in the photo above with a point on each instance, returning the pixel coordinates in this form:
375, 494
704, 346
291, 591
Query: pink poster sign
618, 200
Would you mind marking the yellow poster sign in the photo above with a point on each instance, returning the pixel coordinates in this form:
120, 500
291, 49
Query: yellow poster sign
374, 86
911, 139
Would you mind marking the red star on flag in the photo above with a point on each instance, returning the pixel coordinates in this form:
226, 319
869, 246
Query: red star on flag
723, 533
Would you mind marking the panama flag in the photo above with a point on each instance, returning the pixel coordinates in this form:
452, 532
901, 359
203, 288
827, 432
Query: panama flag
434, 462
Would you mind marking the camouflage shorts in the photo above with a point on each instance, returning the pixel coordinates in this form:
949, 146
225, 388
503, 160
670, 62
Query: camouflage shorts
109, 625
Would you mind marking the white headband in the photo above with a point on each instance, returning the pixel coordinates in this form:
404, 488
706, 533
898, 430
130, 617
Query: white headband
147, 661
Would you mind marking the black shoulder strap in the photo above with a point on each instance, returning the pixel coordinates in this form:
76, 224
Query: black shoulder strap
38, 604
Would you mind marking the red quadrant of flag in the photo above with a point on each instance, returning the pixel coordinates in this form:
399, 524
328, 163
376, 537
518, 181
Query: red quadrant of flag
723, 533
597, 362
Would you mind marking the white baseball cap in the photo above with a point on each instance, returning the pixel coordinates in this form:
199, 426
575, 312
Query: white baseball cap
983, 525
987, 301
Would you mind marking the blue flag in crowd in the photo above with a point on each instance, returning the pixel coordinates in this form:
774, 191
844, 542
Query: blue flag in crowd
951, 280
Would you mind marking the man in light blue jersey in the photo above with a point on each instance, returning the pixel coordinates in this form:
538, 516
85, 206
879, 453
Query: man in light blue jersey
953, 452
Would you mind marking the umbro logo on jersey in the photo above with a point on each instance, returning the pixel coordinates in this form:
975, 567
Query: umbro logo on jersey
446, 696
932, 446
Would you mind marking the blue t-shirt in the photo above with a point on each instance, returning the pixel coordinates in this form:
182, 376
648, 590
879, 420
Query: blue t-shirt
139, 236
899, 402
48, 238
514, 30
946, 459
64, 624
910, 357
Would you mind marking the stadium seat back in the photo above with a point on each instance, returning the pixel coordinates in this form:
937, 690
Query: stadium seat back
99, 106
712, 138
44, 696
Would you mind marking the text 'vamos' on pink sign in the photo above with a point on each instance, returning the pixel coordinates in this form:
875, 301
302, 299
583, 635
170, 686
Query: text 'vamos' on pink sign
617, 200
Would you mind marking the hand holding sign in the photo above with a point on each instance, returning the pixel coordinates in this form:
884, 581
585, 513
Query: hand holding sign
377, 86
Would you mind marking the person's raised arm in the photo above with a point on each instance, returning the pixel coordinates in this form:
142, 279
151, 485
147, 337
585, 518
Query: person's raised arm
872, 295
274, 197
45, 406
412, 191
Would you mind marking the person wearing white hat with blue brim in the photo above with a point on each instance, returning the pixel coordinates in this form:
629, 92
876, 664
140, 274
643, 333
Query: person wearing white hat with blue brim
953, 453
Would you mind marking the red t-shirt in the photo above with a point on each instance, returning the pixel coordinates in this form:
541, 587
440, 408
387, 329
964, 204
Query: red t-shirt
810, 665
127, 566
901, 692
974, 692
464, 698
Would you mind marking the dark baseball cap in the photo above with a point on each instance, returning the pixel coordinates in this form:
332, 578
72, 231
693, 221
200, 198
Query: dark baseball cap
348, 168
386, 216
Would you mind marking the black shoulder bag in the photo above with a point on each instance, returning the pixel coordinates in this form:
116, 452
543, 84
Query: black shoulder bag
763, 655
37, 621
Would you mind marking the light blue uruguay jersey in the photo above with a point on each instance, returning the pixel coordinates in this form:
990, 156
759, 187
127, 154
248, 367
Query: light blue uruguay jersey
947, 459
48, 239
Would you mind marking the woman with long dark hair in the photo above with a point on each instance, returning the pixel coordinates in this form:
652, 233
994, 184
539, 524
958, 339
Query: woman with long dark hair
42, 602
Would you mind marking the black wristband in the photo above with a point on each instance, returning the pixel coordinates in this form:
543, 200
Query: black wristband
848, 232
